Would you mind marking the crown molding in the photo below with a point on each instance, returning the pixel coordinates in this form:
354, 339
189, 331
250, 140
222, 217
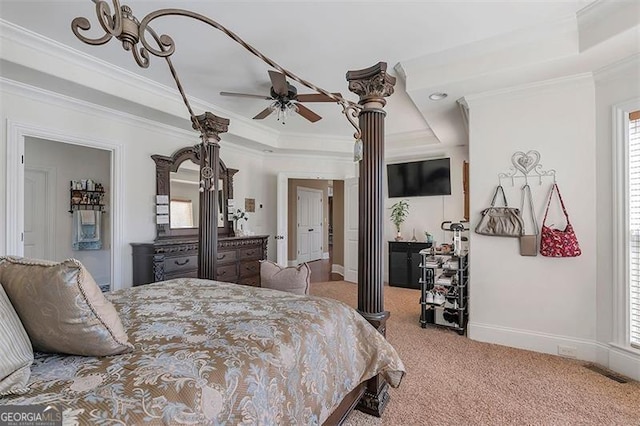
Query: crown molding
57, 99
611, 70
582, 78
424, 136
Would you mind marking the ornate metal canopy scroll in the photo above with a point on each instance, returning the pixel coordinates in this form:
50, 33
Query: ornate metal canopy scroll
124, 26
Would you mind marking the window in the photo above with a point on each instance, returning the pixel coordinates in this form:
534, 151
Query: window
181, 214
634, 228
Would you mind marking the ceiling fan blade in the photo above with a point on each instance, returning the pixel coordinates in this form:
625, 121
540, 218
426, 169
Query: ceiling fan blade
279, 83
316, 97
245, 95
264, 113
307, 113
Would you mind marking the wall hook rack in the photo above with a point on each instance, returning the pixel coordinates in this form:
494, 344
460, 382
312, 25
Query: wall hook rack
526, 165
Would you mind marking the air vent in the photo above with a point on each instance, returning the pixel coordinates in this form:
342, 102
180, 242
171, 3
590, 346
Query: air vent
607, 373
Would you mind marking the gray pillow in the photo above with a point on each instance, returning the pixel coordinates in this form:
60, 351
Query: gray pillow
62, 308
16, 353
294, 279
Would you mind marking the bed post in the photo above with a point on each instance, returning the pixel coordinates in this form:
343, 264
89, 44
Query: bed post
210, 127
372, 84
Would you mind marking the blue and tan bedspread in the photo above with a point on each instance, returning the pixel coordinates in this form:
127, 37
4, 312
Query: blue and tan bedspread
208, 352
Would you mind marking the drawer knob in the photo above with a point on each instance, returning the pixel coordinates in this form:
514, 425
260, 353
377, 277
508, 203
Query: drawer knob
177, 262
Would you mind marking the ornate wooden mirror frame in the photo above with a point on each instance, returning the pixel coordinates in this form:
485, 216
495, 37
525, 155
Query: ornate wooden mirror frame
165, 165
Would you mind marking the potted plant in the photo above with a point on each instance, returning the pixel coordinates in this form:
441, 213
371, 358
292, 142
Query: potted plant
399, 212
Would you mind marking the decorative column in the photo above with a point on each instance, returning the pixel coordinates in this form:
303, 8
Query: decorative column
210, 127
372, 85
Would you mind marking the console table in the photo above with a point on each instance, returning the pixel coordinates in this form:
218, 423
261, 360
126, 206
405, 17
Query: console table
404, 263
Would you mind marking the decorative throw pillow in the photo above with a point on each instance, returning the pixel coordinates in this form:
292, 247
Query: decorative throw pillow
16, 353
62, 308
294, 279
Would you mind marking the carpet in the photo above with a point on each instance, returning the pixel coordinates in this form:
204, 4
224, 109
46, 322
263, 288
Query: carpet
452, 380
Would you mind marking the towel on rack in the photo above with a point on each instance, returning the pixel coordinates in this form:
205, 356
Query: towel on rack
87, 217
86, 230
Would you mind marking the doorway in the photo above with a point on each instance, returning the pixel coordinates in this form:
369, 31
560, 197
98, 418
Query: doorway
53, 213
315, 231
310, 224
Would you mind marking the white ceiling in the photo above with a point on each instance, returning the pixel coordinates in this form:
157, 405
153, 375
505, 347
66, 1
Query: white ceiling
317, 40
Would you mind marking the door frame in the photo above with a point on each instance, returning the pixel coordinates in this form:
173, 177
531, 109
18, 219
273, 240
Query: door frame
283, 202
16, 134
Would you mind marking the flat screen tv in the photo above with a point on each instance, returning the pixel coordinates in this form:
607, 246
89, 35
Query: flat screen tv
419, 178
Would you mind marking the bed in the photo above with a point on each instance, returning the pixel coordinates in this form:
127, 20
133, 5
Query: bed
208, 352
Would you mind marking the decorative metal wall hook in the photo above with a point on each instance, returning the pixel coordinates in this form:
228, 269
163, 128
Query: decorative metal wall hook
526, 165
124, 26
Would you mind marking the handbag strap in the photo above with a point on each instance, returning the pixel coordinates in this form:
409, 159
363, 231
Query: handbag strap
555, 188
495, 194
526, 193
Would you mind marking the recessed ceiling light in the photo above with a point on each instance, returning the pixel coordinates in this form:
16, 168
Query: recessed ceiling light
437, 96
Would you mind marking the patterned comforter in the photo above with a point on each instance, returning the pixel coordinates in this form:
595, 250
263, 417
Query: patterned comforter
214, 353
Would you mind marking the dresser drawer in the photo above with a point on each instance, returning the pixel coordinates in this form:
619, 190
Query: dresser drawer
226, 273
251, 253
249, 268
188, 274
227, 256
252, 281
181, 263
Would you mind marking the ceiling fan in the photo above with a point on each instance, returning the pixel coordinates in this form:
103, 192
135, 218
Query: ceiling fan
285, 99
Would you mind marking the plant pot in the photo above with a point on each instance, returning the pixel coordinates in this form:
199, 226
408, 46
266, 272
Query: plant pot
399, 236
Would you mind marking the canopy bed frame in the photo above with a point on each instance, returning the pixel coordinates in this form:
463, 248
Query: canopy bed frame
372, 85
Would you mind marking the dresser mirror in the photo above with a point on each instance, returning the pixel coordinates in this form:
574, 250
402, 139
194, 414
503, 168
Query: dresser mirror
178, 177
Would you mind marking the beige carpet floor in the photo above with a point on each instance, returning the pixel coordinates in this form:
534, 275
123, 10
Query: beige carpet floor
452, 380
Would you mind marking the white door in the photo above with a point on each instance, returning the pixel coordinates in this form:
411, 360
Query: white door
37, 232
309, 226
351, 230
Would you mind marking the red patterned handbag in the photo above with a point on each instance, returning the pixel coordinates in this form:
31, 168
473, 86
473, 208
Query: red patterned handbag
556, 242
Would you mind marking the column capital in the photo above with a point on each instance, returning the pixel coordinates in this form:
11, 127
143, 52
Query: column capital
372, 84
210, 125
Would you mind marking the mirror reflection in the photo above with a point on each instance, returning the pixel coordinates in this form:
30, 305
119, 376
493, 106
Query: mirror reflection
185, 197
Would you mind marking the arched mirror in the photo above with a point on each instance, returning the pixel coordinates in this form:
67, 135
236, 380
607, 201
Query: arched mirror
177, 177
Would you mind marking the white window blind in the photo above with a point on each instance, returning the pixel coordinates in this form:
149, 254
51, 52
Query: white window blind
634, 228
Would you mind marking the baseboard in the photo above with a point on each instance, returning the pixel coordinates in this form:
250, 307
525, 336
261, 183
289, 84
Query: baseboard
624, 361
337, 269
532, 340
325, 255
618, 359
293, 262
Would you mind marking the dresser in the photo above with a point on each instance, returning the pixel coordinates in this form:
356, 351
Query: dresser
238, 260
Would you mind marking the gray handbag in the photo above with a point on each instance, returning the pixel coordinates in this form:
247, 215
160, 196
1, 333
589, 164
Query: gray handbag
529, 242
500, 221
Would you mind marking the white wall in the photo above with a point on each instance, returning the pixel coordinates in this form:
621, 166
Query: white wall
535, 302
138, 139
73, 162
427, 213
